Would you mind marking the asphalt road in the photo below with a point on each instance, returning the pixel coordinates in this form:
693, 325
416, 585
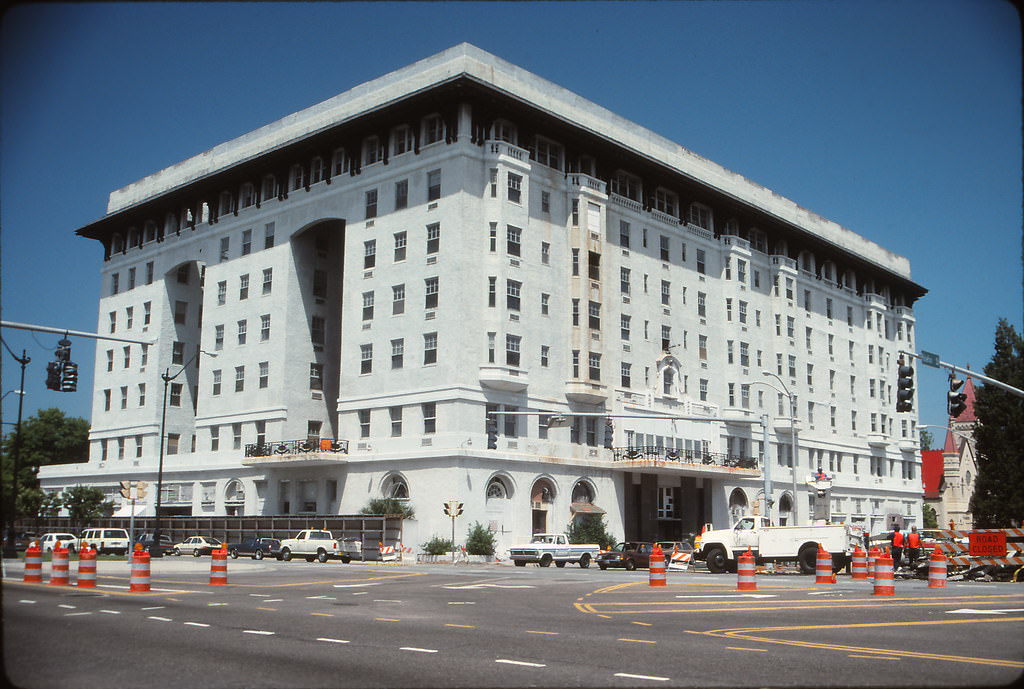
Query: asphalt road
301, 624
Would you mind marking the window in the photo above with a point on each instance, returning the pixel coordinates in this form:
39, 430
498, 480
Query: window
433, 129
316, 376
178, 353
106, 400
666, 292
149, 273
512, 347
367, 306
268, 280
115, 282
664, 248
743, 312
701, 261
594, 313
575, 311
575, 262
364, 423
702, 347
264, 327
433, 185
317, 329
147, 313
494, 237
515, 188
225, 248
180, 311
430, 293
127, 357
625, 184
239, 378
594, 366
513, 240
402, 140
268, 235
513, 289
545, 253
429, 410
433, 238
218, 337
492, 291
625, 372
545, 201
624, 326
545, 355
320, 284
548, 153
666, 338
110, 359
624, 280
222, 292
397, 299
430, 348
400, 244
246, 242
624, 234
242, 326
401, 194
175, 400
494, 182
665, 201
396, 421
373, 150
371, 203
243, 286
369, 254
366, 358
545, 304
700, 216
264, 380
594, 265
172, 443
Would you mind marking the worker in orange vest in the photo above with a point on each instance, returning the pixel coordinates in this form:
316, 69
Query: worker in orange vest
897, 546
913, 546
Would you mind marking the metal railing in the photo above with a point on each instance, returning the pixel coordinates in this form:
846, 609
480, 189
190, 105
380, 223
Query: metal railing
296, 447
653, 453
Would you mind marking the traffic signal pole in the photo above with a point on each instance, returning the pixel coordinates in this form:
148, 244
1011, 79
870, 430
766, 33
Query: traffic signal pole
967, 372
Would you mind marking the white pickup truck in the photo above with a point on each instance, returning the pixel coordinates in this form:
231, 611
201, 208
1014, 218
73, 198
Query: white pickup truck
720, 548
313, 544
545, 548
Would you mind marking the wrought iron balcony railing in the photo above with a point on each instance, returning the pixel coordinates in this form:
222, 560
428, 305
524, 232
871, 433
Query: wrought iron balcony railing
295, 447
653, 453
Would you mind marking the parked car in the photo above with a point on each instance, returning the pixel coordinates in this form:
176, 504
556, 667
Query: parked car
257, 548
106, 540
630, 554
197, 545
146, 539
22, 539
49, 541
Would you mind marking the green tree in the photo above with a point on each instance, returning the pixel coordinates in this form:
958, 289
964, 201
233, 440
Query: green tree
927, 439
590, 528
438, 546
388, 506
479, 541
86, 503
929, 517
998, 499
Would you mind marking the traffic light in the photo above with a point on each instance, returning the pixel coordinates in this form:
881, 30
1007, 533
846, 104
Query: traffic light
126, 489
69, 377
492, 433
53, 375
904, 387
609, 433
955, 400
453, 508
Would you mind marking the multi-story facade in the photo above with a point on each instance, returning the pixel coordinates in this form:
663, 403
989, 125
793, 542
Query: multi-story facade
350, 295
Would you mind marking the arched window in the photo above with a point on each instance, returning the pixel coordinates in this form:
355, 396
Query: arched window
395, 487
737, 504
117, 243
234, 491
227, 203
134, 238
246, 195
316, 170
497, 489
543, 492
269, 187
583, 492
785, 510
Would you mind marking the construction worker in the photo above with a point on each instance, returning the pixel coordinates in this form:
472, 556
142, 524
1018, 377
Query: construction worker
913, 546
897, 547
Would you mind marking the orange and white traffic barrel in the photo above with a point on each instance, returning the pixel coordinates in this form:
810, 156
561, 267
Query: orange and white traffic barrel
937, 569
219, 567
87, 567
823, 567
33, 564
138, 581
884, 580
872, 561
657, 566
59, 567
746, 572
859, 567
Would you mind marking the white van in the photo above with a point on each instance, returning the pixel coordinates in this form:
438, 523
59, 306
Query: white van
49, 541
106, 540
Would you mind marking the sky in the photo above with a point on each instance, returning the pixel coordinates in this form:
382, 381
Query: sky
900, 121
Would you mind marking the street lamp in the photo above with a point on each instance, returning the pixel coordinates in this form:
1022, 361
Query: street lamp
792, 431
155, 549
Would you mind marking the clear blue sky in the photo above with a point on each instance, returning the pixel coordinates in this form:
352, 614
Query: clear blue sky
899, 120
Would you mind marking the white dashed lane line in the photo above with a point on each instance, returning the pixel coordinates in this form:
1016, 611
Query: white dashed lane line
333, 641
197, 624
159, 619
523, 663
261, 632
30, 602
67, 607
647, 677
418, 650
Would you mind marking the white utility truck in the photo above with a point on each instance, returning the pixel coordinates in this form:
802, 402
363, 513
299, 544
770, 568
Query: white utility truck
313, 544
545, 548
720, 548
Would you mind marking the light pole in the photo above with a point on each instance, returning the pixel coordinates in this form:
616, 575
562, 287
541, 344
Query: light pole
792, 431
11, 549
155, 550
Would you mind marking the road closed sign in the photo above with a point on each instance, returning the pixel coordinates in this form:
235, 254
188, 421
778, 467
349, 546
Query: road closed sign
987, 543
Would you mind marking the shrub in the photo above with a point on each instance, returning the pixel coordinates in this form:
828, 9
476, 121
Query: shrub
590, 528
388, 506
437, 546
479, 541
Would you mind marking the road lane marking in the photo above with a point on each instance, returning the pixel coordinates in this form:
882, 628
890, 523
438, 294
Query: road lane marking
269, 609
322, 614
273, 600
638, 641
197, 624
494, 586
531, 631
69, 607
73, 614
738, 595
332, 641
160, 619
261, 632
972, 611
384, 600
316, 597
461, 626
216, 604
461, 602
260, 595
352, 586
854, 655
111, 612
519, 662
418, 650
740, 648
30, 602
643, 624
386, 619
155, 607
648, 677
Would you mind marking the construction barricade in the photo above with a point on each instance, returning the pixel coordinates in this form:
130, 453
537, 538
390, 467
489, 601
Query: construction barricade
746, 572
657, 567
387, 552
859, 567
872, 561
33, 564
884, 580
823, 567
138, 580
219, 566
679, 561
86, 567
937, 570
59, 567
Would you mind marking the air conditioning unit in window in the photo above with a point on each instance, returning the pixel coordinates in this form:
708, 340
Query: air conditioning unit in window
537, 505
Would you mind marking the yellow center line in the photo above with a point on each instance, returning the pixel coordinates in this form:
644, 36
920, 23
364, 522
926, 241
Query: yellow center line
638, 641
461, 626
530, 631
737, 648
386, 619
322, 614
270, 609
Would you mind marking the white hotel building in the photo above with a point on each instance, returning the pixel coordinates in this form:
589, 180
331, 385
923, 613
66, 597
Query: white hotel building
377, 273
